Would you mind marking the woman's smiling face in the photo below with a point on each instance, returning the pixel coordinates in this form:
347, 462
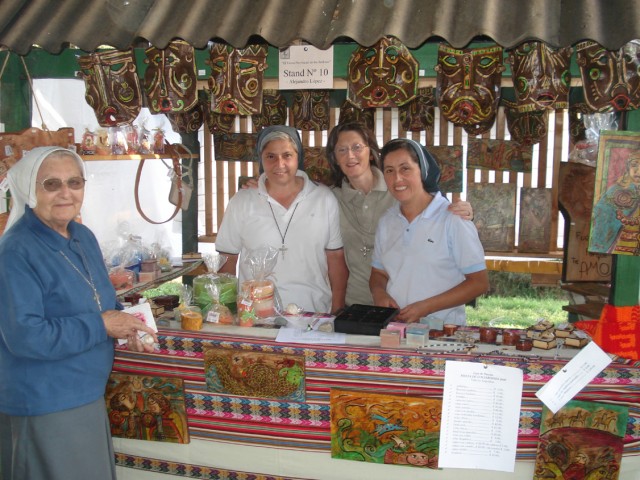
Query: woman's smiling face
56, 209
352, 154
402, 175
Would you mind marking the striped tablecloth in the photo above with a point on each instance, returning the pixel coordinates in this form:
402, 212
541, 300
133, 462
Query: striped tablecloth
306, 425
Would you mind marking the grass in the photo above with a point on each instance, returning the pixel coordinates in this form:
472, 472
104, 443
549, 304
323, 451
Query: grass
513, 302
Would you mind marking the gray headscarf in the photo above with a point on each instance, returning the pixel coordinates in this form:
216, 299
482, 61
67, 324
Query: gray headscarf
22, 179
270, 133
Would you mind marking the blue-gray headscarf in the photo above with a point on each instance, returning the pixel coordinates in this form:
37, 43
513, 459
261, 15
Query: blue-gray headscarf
429, 169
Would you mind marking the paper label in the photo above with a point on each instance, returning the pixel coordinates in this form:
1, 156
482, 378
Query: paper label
573, 377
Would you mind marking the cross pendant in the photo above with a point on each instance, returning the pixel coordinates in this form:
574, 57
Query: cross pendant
365, 250
282, 250
96, 297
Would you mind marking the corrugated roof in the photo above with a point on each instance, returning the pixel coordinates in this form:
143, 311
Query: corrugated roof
88, 24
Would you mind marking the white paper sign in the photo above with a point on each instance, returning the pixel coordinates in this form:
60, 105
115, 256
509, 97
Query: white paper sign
480, 416
304, 67
143, 312
573, 377
297, 335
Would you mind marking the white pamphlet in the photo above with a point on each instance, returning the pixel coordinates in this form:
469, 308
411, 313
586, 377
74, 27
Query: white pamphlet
297, 335
480, 416
573, 377
143, 312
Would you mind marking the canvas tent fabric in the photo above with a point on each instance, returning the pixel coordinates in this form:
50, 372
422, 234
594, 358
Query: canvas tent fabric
89, 24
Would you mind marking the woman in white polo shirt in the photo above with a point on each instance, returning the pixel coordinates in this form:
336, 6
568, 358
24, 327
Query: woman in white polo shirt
426, 261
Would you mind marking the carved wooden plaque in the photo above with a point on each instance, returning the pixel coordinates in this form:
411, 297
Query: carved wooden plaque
494, 206
535, 220
13, 146
575, 199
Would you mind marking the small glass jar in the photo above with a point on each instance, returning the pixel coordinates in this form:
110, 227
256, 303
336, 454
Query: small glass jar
510, 338
524, 344
488, 335
450, 329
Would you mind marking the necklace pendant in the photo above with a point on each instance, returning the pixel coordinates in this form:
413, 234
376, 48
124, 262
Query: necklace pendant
283, 249
365, 250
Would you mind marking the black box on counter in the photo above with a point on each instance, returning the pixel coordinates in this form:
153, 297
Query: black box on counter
363, 319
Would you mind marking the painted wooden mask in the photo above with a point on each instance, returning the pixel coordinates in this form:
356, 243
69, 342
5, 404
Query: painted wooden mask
217, 122
189, 121
468, 83
541, 76
383, 75
349, 113
526, 128
418, 114
112, 87
610, 79
236, 78
170, 80
577, 127
274, 110
311, 109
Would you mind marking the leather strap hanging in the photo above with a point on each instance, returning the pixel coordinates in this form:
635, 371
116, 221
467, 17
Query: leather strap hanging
177, 170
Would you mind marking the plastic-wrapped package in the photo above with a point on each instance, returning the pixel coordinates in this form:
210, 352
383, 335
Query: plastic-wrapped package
586, 151
258, 297
226, 285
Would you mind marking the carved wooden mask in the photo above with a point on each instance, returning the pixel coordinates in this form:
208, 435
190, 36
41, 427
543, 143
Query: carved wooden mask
112, 87
216, 122
236, 78
171, 78
418, 114
611, 79
577, 127
541, 76
274, 110
189, 121
349, 113
468, 83
526, 128
311, 109
383, 75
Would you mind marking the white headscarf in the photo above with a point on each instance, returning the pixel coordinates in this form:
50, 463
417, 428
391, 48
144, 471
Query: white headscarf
22, 179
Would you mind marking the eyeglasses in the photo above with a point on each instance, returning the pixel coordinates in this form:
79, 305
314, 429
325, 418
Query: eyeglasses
356, 149
55, 184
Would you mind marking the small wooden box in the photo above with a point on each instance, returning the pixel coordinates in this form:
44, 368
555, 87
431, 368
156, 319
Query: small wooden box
157, 310
536, 334
545, 344
574, 341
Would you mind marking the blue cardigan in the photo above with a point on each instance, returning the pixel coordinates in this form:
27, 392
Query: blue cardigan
54, 350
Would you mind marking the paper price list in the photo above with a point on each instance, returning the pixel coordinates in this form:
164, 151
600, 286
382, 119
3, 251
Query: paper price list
480, 416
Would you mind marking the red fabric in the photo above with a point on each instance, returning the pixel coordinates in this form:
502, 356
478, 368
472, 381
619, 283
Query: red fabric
617, 331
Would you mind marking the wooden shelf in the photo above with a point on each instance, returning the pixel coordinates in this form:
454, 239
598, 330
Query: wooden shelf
591, 310
587, 289
89, 158
186, 269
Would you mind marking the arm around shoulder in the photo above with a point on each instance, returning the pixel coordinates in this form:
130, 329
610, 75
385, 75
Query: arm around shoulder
338, 276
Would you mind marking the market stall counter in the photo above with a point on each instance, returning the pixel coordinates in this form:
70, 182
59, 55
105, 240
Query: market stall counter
254, 436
